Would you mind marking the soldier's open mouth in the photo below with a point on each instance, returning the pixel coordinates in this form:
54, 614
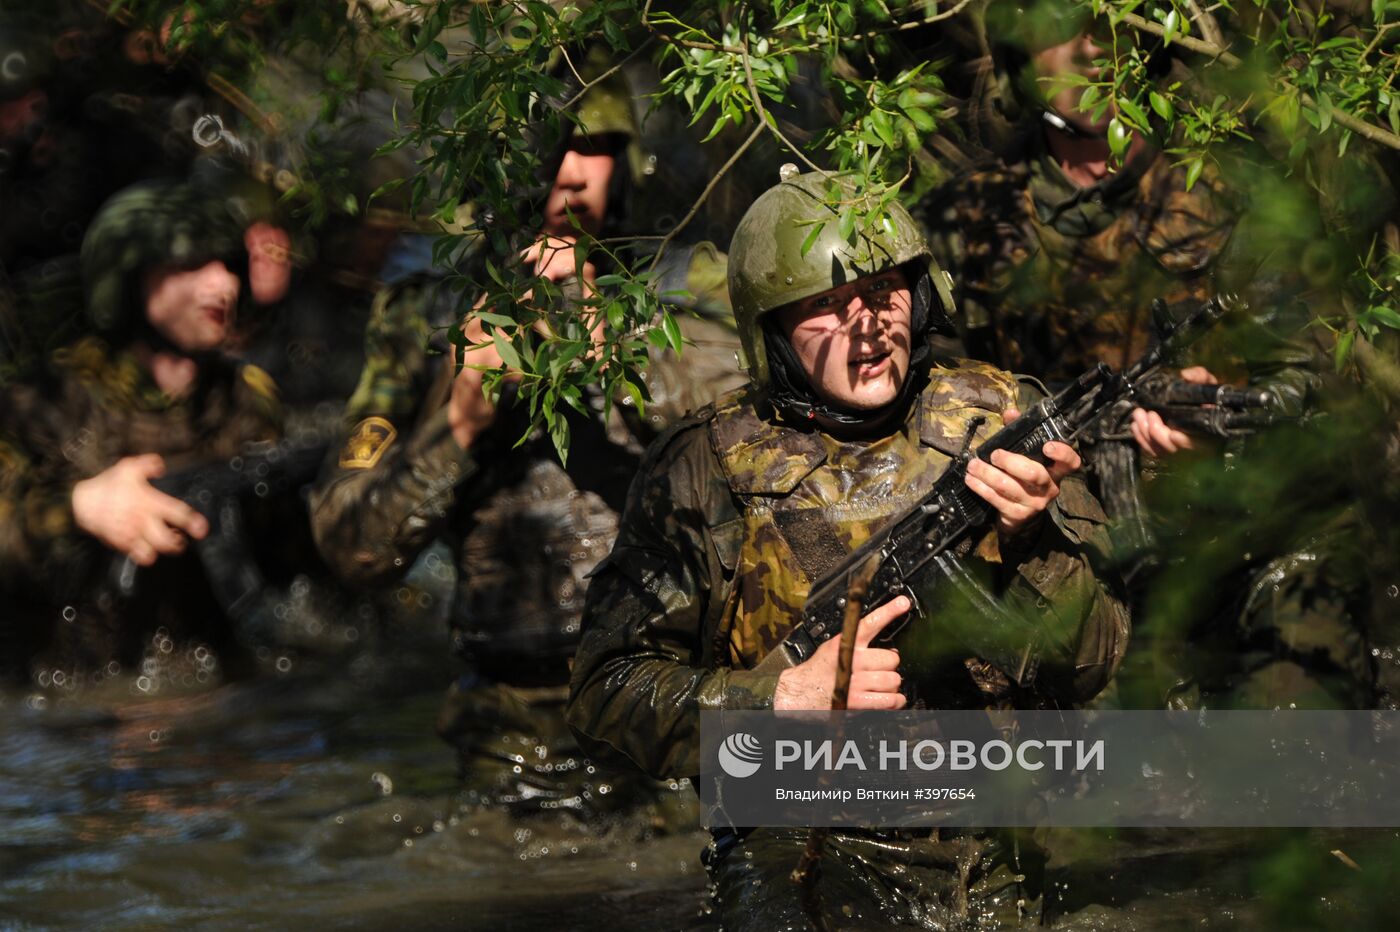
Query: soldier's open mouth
873, 364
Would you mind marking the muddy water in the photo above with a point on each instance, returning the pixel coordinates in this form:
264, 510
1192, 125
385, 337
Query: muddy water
318, 796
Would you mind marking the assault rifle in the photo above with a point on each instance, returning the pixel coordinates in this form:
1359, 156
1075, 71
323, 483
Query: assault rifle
921, 545
216, 490
1215, 410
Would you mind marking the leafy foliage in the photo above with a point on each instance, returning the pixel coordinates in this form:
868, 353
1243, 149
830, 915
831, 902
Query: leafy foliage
488, 89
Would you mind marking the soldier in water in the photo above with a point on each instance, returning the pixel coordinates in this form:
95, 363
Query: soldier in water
149, 391
1058, 254
429, 456
847, 419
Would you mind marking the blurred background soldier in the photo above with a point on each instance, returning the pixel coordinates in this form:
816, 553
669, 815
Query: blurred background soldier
148, 392
1059, 253
429, 456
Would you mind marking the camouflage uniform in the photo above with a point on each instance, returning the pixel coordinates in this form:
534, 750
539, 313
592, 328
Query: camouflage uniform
735, 512
525, 530
1053, 278
91, 406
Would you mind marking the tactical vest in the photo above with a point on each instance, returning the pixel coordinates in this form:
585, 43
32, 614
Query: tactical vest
808, 499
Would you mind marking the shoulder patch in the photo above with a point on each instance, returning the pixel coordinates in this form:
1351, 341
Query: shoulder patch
367, 443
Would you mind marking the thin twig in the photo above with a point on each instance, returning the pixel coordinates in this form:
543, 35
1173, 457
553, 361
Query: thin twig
772, 124
915, 24
808, 870
607, 74
695, 208
703, 46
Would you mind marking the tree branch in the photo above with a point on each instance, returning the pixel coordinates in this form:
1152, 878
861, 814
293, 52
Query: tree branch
1209, 27
1370, 131
764, 120
704, 195
606, 74
915, 24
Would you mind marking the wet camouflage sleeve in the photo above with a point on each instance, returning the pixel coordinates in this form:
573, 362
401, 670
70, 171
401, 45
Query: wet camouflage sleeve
37, 535
386, 494
647, 664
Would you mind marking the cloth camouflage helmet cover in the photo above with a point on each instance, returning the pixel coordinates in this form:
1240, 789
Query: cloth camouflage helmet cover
769, 268
163, 222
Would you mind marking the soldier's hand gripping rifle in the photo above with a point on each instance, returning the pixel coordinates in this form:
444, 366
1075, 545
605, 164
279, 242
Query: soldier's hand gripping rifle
920, 547
1214, 410
217, 491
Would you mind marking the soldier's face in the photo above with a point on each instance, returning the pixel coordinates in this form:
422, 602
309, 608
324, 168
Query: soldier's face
1074, 57
853, 341
192, 308
581, 189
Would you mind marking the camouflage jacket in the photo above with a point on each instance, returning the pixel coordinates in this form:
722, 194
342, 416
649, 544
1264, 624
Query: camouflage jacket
526, 530
91, 407
716, 551
1051, 278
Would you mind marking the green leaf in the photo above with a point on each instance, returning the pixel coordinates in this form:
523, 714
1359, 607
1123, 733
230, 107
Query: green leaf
508, 354
1324, 112
673, 332
1134, 113
636, 395
1386, 315
880, 122
1170, 26
847, 225
616, 316
1161, 105
1339, 355
795, 16
922, 120
657, 339
1087, 99
495, 320
1193, 172
607, 281
1118, 137
811, 239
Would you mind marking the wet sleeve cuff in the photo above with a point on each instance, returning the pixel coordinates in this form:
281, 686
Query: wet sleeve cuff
741, 690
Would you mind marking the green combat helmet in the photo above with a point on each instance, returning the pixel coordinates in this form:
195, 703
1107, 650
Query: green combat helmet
161, 222
769, 268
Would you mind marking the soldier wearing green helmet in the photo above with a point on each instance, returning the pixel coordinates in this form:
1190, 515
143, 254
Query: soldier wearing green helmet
848, 417
148, 390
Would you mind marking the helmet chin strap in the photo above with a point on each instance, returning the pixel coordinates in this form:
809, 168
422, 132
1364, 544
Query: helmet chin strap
791, 390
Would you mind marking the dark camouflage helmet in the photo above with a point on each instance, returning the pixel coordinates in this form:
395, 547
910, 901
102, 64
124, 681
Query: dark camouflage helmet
163, 222
605, 112
769, 267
